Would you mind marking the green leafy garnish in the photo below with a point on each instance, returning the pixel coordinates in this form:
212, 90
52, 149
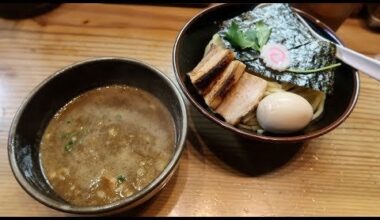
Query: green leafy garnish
251, 35
120, 179
253, 38
71, 138
237, 38
314, 70
69, 145
263, 33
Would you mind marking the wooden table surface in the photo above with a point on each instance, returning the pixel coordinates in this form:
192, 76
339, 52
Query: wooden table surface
219, 174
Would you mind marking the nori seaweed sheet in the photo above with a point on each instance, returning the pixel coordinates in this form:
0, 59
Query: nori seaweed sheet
306, 51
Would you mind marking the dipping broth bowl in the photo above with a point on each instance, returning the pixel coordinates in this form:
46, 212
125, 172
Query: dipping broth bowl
53, 93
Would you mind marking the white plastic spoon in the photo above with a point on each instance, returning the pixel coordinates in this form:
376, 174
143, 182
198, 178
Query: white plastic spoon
357, 60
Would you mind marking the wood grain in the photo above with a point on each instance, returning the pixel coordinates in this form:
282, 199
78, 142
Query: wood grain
219, 174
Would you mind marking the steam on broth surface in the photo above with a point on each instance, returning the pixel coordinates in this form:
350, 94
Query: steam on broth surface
107, 144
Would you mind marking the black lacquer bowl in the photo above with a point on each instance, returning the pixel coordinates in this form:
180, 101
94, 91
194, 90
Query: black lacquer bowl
53, 93
188, 51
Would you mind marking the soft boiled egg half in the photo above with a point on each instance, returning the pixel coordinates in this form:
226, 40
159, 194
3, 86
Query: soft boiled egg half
284, 112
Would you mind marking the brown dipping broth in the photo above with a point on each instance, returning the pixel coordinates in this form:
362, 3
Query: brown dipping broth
107, 144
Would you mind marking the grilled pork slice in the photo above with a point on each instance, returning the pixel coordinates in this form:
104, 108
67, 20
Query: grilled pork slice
210, 66
223, 83
242, 98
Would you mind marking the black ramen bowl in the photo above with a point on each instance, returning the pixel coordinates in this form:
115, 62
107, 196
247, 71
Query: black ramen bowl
189, 49
53, 93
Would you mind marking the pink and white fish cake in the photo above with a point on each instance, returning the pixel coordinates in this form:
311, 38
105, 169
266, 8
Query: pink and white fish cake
275, 56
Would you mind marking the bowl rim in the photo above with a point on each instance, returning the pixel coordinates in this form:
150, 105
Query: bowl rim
251, 135
159, 181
